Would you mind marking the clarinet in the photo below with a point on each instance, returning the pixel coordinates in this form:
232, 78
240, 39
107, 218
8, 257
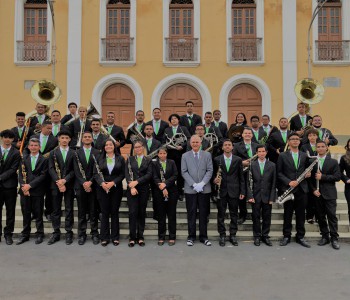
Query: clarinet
82, 172
131, 174
98, 169
162, 178
24, 172
218, 176
57, 168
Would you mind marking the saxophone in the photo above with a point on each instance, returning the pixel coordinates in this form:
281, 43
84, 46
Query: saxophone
162, 178
98, 169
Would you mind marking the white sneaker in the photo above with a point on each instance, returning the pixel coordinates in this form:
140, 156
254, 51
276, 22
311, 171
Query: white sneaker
190, 243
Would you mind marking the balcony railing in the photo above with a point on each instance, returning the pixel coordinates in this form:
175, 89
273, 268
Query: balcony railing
332, 51
246, 49
117, 49
33, 51
183, 49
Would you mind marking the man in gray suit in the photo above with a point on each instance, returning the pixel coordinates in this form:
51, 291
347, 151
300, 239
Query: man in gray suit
197, 169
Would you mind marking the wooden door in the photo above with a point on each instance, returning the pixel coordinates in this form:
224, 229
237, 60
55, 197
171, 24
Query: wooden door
120, 99
244, 98
174, 98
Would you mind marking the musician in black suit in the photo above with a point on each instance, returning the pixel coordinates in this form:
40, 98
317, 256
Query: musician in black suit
32, 191
40, 117
190, 120
219, 124
176, 154
165, 195
327, 173
258, 132
19, 131
115, 131
232, 190
290, 166
9, 161
138, 174
277, 141
61, 170
245, 149
158, 124
85, 189
300, 120
262, 194
266, 126
137, 132
200, 130
75, 126
98, 138
210, 128
109, 176
344, 165
56, 123
72, 107
240, 122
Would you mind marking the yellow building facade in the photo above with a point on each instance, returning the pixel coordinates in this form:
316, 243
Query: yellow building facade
209, 63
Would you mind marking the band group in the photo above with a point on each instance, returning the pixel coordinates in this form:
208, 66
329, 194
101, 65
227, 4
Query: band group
51, 161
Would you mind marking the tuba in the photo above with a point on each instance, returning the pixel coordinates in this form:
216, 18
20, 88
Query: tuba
309, 91
136, 134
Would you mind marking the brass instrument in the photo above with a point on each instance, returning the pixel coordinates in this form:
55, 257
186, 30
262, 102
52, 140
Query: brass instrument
176, 140
105, 132
309, 91
264, 139
326, 135
153, 154
162, 178
235, 132
91, 111
137, 135
250, 160
99, 172
81, 169
213, 139
287, 195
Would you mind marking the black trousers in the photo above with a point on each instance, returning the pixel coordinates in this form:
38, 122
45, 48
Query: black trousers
232, 204
166, 209
56, 215
48, 199
176, 156
137, 213
311, 206
32, 205
154, 189
327, 207
86, 205
298, 205
347, 197
201, 202
8, 197
261, 209
242, 204
110, 204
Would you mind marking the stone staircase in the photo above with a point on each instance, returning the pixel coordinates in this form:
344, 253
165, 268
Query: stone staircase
244, 231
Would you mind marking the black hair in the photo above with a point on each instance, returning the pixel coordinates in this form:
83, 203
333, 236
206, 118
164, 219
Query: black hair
55, 111
103, 151
259, 147
20, 114
173, 115
72, 103
189, 101
64, 132
293, 134
7, 133
156, 109
245, 118
254, 117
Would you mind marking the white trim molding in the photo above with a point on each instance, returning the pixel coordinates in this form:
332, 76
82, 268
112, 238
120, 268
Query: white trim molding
110, 79
244, 78
103, 22
345, 35
168, 81
196, 35
260, 33
289, 34
74, 51
19, 35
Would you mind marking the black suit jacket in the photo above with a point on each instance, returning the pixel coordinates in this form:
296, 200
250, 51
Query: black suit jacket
66, 168
88, 166
75, 129
261, 134
35, 178
66, 118
196, 119
286, 172
345, 171
98, 144
51, 143
264, 186
143, 174
17, 138
61, 128
240, 150
168, 133
307, 148
222, 127
117, 174
162, 126
35, 120
330, 175
130, 133
232, 182
118, 134
332, 140
170, 176
295, 123
274, 142
8, 169
154, 145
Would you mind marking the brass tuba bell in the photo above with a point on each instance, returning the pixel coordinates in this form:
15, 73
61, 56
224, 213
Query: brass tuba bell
45, 92
309, 91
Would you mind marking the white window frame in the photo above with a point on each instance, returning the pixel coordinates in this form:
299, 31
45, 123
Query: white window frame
345, 10
259, 34
196, 35
103, 34
19, 34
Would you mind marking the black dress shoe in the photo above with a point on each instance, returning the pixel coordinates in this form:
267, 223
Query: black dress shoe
241, 221
303, 242
335, 244
323, 241
22, 240
53, 239
9, 240
48, 218
222, 241
257, 241
233, 241
131, 244
285, 241
81, 240
95, 240
39, 240
267, 242
141, 243
69, 240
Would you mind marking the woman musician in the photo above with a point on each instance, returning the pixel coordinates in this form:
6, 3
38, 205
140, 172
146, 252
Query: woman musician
166, 196
109, 173
345, 173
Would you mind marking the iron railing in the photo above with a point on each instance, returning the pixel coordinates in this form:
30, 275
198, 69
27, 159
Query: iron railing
332, 51
33, 51
117, 49
245, 49
181, 49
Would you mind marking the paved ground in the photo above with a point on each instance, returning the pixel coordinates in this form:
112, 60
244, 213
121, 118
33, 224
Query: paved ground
29, 271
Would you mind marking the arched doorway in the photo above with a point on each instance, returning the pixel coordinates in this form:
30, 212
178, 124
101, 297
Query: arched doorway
174, 98
244, 98
120, 99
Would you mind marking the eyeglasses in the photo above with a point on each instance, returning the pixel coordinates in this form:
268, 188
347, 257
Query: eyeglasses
138, 147
294, 139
